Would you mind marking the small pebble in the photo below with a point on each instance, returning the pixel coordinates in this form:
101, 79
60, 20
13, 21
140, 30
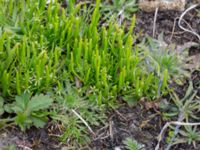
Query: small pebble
117, 148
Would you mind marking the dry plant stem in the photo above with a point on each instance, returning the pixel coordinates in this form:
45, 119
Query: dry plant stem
188, 25
120, 115
111, 129
180, 119
101, 129
24, 147
86, 124
181, 18
173, 123
175, 25
154, 22
54, 135
173, 29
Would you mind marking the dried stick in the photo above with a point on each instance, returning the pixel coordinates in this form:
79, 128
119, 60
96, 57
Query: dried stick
24, 147
181, 18
173, 29
154, 21
173, 123
176, 131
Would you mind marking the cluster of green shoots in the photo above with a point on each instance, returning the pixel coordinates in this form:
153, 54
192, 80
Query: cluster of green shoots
41, 46
65, 58
55, 61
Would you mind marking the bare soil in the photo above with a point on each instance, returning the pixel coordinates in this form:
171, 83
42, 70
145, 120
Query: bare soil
32, 139
167, 23
136, 123
142, 123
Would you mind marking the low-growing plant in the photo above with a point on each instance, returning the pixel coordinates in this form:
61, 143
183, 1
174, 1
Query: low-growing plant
119, 9
198, 14
186, 109
70, 100
131, 144
163, 61
189, 135
42, 46
30, 111
51, 46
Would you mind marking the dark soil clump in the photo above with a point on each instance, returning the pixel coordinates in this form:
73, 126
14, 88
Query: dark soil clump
35, 139
167, 23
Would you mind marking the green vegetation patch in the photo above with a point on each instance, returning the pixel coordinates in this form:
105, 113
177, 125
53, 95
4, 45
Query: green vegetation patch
42, 46
47, 49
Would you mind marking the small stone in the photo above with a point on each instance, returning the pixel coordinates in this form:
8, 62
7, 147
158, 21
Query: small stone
151, 5
117, 148
64, 148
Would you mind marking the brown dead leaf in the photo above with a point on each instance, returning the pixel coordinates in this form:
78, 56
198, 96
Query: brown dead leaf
193, 62
78, 83
149, 104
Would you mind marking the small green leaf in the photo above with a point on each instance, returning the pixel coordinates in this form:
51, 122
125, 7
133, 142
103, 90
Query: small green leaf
9, 108
1, 106
23, 100
22, 121
38, 122
132, 144
1, 101
12, 147
131, 100
39, 102
198, 15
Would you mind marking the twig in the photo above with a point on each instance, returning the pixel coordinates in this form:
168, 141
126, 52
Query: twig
24, 147
154, 21
176, 131
188, 25
173, 29
86, 124
99, 130
181, 18
173, 123
54, 135
111, 129
104, 137
120, 115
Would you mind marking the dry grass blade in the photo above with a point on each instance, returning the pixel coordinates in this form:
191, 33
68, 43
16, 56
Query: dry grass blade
154, 22
24, 147
86, 124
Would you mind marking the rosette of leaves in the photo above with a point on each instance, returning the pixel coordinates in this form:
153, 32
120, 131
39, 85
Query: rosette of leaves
30, 111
